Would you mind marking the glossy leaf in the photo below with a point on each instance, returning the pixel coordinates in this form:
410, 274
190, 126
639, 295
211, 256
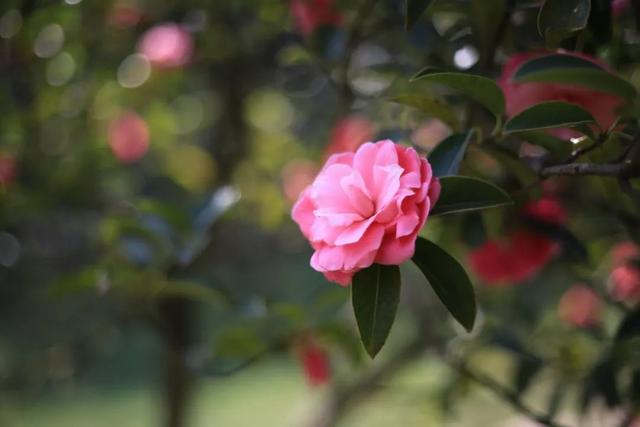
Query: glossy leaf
449, 281
548, 115
568, 69
559, 19
375, 296
463, 193
446, 157
479, 88
430, 106
413, 11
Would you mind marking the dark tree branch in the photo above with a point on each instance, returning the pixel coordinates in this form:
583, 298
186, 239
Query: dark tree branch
506, 395
621, 170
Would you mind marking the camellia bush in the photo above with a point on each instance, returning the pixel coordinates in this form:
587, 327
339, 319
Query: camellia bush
226, 176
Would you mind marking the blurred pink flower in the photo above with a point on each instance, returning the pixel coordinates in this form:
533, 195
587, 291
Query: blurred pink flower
8, 169
618, 7
349, 134
366, 207
624, 280
524, 253
430, 134
124, 15
308, 15
166, 45
297, 175
580, 306
520, 96
314, 360
128, 137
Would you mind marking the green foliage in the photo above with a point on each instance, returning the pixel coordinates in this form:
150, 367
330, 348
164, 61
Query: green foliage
548, 115
448, 280
446, 157
481, 89
375, 294
413, 9
463, 194
573, 70
559, 19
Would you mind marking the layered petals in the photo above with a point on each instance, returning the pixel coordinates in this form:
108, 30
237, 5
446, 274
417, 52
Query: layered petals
366, 207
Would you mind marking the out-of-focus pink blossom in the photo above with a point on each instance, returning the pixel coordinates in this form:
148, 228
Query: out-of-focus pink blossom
521, 255
430, 134
315, 362
296, 176
124, 15
8, 170
128, 137
366, 207
308, 15
349, 134
580, 306
624, 280
618, 7
520, 96
166, 45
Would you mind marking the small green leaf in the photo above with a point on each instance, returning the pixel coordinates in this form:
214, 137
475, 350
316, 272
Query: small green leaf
446, 157
430, 106
375, 296
548, 115
448, 280
413, 10
479, 88
559, 19
569, 69
463, 193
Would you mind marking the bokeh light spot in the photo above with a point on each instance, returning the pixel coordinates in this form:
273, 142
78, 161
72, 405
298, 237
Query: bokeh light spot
134, 71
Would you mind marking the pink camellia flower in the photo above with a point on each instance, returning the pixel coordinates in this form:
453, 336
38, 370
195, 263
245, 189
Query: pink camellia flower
128, 137
308, 15
166, 45
624, 280
520, 96
349, 134
366, 207
8, 170
580, 306
524, 253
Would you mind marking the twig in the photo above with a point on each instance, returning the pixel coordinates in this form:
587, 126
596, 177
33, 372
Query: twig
346, 396
505, 394
623, 170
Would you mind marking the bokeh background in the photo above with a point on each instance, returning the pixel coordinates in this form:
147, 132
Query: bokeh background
150, 274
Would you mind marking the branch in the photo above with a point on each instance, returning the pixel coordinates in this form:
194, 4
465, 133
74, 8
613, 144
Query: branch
506, 395
621, 170
348, 395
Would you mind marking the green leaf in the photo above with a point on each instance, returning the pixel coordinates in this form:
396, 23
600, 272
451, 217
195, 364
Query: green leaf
446, 157
375, 296
430, 106
559, 19
463, 193
568, 69
413, 10
448, 280
479, 88
548, 115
